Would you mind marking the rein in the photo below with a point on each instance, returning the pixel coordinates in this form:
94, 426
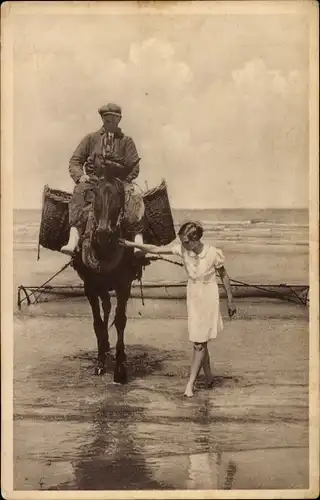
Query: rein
87, 240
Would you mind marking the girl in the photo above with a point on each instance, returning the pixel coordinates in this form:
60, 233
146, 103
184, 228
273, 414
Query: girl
201, 261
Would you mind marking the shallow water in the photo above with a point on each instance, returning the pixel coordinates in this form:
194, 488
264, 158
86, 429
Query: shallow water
76, 431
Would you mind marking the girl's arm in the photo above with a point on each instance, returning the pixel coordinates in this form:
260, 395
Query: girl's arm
226, 283
164, 250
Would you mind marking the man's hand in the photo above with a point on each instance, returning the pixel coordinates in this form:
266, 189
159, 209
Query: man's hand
84, 178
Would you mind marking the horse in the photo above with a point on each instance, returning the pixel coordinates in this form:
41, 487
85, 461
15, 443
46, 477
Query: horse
104, 266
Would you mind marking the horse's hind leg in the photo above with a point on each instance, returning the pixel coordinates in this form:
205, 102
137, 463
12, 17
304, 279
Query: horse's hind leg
120, 372
98, 327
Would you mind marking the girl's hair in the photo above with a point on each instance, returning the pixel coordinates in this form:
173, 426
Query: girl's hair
191, 229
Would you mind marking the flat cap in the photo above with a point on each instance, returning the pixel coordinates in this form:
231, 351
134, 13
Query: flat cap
110, 109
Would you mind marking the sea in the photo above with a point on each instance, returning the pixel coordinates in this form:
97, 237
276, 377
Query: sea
260, 245
269, 226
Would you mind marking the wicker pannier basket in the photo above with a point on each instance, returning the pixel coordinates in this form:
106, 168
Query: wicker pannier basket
54, 227
159, 225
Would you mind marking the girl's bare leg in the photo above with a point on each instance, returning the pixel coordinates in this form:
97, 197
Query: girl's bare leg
198, 356
206, 367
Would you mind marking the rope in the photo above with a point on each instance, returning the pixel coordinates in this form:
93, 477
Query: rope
41, 287
166, 260
303, 300
141, 291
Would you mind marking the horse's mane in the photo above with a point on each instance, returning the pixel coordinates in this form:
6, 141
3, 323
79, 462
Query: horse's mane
113, 182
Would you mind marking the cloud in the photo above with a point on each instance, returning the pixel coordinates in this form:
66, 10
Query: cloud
255, 75
225, 120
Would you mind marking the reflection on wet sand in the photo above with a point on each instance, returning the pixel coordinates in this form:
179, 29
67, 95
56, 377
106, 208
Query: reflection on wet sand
255, 469
74, 431
122, 454
202, 470
115, 462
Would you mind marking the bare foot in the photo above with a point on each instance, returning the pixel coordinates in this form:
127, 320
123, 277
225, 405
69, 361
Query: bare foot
210, 383
188, 391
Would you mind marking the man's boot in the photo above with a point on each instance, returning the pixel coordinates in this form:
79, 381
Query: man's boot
70, 247
139, 239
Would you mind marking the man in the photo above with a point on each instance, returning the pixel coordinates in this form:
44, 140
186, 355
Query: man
106, 146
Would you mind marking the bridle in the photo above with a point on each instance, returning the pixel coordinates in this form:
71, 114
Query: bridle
120, 217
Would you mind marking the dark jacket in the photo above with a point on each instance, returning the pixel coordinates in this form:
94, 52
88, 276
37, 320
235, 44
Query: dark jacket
91, 145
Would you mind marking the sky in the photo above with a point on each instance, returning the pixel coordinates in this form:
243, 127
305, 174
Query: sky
216, 104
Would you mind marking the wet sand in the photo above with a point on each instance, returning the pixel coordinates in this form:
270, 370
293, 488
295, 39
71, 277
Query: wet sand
75, 431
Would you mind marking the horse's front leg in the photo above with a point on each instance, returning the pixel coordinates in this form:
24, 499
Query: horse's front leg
98, 327
106, 306
120, 372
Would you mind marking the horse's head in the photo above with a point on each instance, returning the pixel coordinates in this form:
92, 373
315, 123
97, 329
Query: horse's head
108, 206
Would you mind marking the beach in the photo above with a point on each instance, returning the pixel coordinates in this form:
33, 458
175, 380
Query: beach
74, 431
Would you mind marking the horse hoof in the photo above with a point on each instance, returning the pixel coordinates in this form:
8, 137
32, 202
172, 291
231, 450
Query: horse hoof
120, 376
98, 371
120, 381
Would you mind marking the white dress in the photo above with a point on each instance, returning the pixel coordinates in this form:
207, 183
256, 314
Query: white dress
203, 304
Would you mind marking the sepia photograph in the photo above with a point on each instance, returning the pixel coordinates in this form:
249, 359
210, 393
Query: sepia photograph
159, 249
